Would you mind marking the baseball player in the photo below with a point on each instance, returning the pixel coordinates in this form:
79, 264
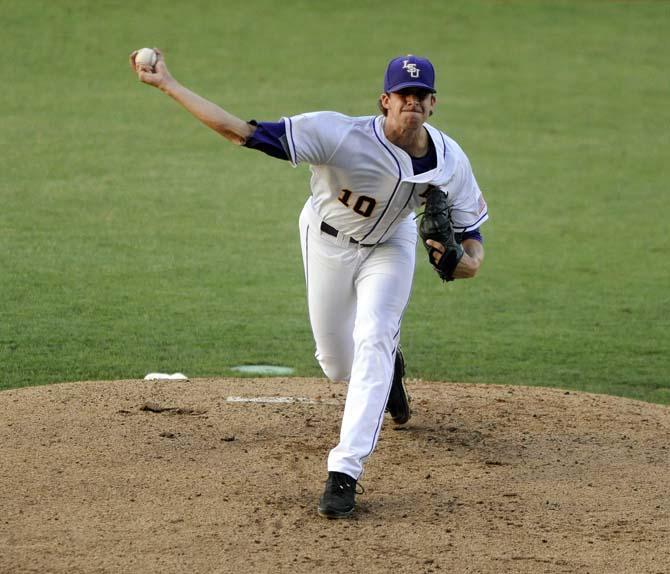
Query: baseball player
358, 237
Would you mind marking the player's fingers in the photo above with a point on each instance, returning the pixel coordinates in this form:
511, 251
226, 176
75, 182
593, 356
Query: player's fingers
160, 66
131, 59
435, 245
145, 74
438, 250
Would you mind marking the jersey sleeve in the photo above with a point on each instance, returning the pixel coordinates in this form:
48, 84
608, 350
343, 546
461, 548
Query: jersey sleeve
473, 234
468, 206
270, 138
313, 137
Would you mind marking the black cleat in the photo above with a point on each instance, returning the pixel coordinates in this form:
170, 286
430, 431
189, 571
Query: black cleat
338, 500
398, 402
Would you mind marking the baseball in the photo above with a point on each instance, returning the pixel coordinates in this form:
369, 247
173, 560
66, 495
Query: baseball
145, 57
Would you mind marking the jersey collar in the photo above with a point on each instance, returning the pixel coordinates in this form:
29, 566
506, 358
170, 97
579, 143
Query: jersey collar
436, 176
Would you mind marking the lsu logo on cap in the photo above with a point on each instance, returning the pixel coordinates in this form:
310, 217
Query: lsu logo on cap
409, 71
412, 70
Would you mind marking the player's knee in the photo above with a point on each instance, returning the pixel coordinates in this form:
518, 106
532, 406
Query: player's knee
335, 362
334, 370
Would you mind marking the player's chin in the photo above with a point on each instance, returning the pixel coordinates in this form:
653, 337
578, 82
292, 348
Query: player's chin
413, 119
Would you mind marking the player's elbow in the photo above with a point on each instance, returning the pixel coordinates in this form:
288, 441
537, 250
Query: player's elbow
477, 264
230, 135
474, 256
469, 265
470, 272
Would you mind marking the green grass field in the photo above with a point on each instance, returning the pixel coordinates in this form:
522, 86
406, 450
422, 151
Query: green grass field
133, 239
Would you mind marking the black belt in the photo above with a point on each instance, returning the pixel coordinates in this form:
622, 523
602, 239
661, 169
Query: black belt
330, 230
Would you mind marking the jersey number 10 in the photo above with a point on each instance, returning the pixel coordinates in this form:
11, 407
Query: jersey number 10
364, 205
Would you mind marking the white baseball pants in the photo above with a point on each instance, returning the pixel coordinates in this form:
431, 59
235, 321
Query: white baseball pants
356, 298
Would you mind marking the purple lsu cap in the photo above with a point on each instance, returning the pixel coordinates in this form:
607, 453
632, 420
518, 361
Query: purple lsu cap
409, 72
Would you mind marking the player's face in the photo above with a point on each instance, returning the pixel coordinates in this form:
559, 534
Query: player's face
410, 107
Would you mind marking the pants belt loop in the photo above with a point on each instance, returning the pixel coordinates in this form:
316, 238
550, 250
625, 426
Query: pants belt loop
342, 239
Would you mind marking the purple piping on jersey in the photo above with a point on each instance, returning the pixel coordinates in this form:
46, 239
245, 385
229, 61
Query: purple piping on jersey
444, 146
409, 197
396, 217
290, 131
374, 129
474, 225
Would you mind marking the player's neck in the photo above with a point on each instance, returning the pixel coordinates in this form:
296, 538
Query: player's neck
413, 140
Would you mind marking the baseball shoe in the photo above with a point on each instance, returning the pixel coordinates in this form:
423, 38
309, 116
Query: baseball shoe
398, 401
338, 500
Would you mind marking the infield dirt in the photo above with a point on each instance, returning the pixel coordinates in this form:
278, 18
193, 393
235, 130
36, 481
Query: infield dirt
137, 476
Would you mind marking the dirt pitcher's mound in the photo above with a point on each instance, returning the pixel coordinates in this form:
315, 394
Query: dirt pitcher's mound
224, 476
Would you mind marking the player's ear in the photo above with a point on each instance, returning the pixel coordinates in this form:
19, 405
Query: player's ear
384, 102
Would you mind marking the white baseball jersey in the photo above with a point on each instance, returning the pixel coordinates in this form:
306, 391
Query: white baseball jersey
364, 185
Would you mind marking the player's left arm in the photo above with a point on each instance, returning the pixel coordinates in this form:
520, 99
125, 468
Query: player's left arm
468, 212
473, 256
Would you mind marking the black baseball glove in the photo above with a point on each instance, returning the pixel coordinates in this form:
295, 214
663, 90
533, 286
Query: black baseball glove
436, 225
